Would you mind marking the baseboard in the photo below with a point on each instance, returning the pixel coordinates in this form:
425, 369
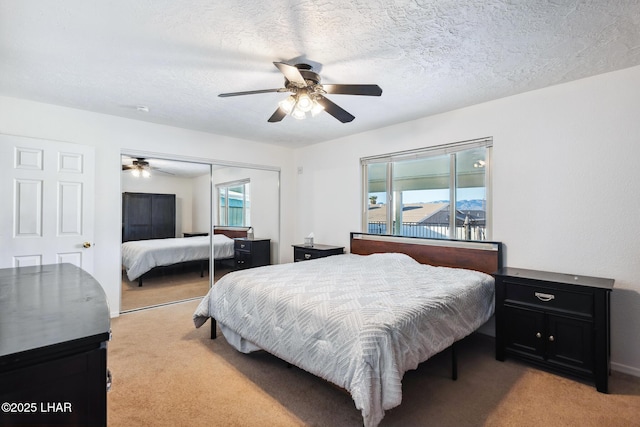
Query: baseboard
630, 370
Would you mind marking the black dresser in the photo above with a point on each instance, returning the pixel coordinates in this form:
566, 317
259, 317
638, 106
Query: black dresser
557, 321
148, 216
54, 328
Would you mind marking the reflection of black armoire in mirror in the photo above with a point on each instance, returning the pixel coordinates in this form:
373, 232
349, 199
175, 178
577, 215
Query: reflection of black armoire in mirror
148, 216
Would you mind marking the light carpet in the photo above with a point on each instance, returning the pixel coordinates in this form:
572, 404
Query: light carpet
167, 373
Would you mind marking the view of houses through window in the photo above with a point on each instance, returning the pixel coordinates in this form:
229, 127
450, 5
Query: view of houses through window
234, 203
411, 193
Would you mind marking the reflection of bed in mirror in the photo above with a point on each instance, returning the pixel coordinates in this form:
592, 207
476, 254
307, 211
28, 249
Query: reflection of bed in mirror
140, 257
360, 320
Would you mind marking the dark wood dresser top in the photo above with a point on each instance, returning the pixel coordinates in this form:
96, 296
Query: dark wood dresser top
545, 276
47, 305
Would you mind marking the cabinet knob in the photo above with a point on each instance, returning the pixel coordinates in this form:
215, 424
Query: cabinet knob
307, 256
551, 338
538, 335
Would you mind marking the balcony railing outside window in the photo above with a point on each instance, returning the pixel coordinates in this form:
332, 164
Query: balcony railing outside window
432, 231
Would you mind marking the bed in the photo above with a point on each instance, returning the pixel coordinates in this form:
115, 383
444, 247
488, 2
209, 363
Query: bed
360, 320
141, 256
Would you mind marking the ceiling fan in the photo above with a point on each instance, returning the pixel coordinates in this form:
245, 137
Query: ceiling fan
308, 94
140, 167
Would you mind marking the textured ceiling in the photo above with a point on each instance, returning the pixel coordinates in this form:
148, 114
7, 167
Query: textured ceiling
176, 56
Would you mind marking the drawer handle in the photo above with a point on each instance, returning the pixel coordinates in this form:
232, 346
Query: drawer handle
307, 256
242, 246
544, 297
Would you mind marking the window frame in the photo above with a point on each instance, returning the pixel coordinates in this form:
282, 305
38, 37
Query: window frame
223, 217
452, 150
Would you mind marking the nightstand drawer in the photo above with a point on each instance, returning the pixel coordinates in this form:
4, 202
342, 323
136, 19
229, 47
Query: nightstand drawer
243, 245
305, 253
301, 254
549, 298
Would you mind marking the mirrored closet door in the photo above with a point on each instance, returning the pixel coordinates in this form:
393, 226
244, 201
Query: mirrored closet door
170, 209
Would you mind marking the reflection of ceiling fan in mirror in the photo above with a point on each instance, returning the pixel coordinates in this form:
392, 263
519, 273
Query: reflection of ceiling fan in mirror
140, 167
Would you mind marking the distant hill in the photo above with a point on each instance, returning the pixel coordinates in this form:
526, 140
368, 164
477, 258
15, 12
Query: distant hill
467, 205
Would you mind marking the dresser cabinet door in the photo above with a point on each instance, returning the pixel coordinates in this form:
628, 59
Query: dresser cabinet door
243, 259
570, 342
524, 331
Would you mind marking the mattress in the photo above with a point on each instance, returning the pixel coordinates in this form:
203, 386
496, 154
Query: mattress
140, 256
357, 321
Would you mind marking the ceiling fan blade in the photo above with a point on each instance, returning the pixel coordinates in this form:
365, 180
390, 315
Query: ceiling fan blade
368, 90
336, 111
277, 116
291, 73
251, 92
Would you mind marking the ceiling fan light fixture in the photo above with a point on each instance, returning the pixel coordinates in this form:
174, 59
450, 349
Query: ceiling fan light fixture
316, 109
287, 104
299, 105
298, 114
140, 169
305, 103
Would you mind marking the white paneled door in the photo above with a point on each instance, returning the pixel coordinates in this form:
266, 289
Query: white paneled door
46, 209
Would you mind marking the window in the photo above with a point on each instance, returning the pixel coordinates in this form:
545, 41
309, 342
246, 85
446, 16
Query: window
234, 203
439, 192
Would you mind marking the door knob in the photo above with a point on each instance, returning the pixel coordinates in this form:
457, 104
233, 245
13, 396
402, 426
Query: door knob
86, 245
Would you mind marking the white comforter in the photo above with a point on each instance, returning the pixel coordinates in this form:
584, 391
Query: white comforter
140, 256
357, 321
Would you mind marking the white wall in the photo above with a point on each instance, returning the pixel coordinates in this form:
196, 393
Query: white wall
112, 136
201, 220
566, 184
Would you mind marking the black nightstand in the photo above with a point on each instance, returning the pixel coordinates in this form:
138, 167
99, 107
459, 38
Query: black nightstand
556, 321
303, 253
251, 253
